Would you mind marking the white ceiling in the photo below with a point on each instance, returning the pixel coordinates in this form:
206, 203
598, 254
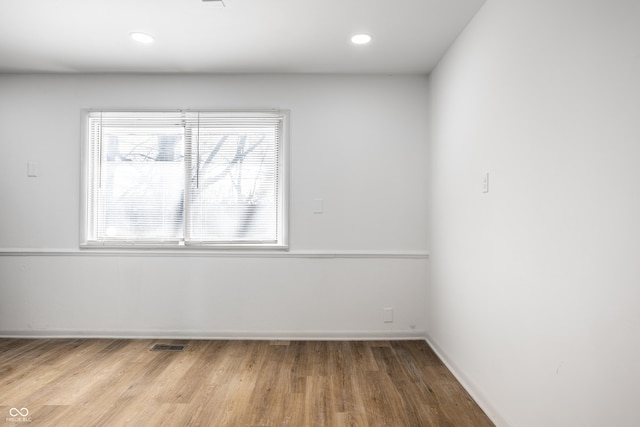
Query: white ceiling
246, 36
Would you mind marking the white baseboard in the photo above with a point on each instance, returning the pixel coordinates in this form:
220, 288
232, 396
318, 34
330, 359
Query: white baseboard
468, 385
223, 335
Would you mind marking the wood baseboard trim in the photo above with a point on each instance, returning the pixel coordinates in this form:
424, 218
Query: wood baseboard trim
223, 335
468, 385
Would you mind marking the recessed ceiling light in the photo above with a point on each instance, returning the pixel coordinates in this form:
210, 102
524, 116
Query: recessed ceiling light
141, 37
361, 39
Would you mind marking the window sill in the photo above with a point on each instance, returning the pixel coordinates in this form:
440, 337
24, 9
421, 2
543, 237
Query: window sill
181, 247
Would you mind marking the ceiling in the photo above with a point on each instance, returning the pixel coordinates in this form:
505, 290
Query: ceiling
244, 36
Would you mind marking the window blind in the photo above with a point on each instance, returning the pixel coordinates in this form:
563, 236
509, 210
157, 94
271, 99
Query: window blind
184, 178
233, 169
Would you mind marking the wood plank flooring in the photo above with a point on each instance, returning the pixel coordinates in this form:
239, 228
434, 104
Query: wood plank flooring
103, 382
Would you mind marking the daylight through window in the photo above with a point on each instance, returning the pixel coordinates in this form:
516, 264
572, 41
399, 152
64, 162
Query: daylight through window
184, 178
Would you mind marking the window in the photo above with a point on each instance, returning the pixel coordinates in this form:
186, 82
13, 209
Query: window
191, 178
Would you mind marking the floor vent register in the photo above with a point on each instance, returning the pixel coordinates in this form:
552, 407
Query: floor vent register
168, 347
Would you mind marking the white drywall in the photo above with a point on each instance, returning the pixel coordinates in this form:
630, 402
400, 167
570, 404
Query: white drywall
357, 142
535, 286
211, 297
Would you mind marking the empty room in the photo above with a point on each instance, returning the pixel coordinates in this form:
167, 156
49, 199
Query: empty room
339, 213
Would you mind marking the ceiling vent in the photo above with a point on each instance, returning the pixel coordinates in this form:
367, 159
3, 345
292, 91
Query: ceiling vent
217, 3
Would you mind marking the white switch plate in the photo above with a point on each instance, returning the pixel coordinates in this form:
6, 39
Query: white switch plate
32, 169
485, 182
318, 206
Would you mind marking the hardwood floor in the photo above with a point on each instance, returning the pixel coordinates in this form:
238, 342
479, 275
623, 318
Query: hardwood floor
101, 382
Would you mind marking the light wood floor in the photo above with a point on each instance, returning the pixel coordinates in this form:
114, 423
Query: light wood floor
92, 382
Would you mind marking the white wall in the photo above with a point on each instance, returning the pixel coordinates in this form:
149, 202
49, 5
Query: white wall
534, 288
358, 142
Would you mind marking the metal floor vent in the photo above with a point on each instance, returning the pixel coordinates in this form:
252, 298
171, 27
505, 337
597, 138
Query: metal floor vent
168, 347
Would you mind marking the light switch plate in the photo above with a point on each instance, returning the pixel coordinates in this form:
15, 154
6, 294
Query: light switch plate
32, 169
318, 206
485, 182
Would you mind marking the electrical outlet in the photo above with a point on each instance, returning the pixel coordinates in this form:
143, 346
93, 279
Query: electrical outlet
388, 314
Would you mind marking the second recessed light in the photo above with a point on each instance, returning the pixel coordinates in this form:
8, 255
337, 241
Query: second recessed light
361, 39
141, 37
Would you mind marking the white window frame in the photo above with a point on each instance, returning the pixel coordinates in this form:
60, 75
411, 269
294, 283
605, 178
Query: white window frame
283, 187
